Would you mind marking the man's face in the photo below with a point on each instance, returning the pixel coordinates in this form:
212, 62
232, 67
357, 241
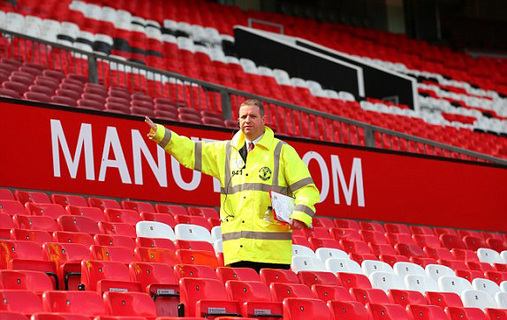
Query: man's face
251, 122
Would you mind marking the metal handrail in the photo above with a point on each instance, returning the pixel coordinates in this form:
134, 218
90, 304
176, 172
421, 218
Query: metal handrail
272, 24
226, 93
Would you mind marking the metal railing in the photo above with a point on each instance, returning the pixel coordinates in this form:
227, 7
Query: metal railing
286, 119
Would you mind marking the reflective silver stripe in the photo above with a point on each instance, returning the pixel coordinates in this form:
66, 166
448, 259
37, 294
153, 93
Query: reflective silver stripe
257, 235
167, 138
301, 183
227, 176
198, 156
276, 164
305, 209
253, 187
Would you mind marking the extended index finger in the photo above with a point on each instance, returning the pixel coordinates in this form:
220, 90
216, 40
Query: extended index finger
150, 123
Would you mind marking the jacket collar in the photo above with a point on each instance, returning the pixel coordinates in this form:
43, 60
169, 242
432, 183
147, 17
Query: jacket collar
267, 140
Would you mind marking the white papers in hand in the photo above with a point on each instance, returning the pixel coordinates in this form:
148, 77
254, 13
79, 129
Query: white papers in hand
282, 206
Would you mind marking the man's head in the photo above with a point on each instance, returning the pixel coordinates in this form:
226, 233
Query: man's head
252, 119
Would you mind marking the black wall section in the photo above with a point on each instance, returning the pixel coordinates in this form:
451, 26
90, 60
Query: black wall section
377, 82
298, 63
275, 53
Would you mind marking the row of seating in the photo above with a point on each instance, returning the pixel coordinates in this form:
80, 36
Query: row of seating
495, 150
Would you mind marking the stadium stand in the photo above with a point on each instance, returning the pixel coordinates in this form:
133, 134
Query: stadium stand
69, 256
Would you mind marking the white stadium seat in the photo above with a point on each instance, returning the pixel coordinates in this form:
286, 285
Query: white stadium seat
327, 253
454, 284
306, 263
343, 265
192, 232
298, 250
370, 266
421, 283
486, 285
405, 268
386, 281
478, 299
154, 229
489, 256
436, 271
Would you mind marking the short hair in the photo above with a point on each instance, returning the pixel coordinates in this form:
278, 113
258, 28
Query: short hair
254, 102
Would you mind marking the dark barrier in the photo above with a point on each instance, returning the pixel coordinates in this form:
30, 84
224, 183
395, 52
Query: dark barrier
269, 51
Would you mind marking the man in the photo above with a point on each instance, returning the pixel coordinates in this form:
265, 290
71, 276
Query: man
248, 166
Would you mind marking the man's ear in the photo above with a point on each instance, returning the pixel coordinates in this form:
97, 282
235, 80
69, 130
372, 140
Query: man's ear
263, 119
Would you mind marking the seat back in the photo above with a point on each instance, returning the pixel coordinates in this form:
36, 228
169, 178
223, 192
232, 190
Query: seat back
317, 277
280, 291
370, 266
92, 272
486, 285
405, 268
129, 304
160, 255
454, 284
269, 276
192, 232
35, 281
245, 291
386, 281
343, 265
298, 250
239, 274
88, 303
194, 289
478, 299
489, 256
299, 309
306, 263
22, 301
326, 253
154, 229
348, 310
436, 271
421, 283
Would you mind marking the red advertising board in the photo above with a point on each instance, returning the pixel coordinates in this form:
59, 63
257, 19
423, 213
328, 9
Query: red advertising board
93, 153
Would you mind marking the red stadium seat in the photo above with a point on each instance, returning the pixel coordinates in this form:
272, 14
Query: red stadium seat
450, 241
168, 208
346, 234
103, 203
160, 217
387, 312
129, 304
302, 309
405, 297
252, 297
397, 228
122, 216
426, 240
410, 250
426, 312
269, 276
156, 255
195, 271
65, 199
31, 196
104, 276
464, 255
6, 194
21, 301
159, 281
8, 315
200, 296
280, 291
204, 212
372, 226
197, 257
35, 281
310, 278
117, 228
331, 292
86, 303
352, 280
85, 239
346, 223
155, 243
138, 206
348, 310
323, 222
457, 313
373, 236
368, 295
194, 245
114, 241
45, 209
424, 230
78, 224
109, 253
38, 236
12, 207
34, 223
444, 299
239, 274
67, 257
93, 213
58, 316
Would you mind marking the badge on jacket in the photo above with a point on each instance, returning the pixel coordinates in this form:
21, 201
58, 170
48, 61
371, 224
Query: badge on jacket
264, 173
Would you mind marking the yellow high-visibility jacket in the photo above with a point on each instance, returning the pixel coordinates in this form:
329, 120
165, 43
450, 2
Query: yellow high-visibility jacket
271, 165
